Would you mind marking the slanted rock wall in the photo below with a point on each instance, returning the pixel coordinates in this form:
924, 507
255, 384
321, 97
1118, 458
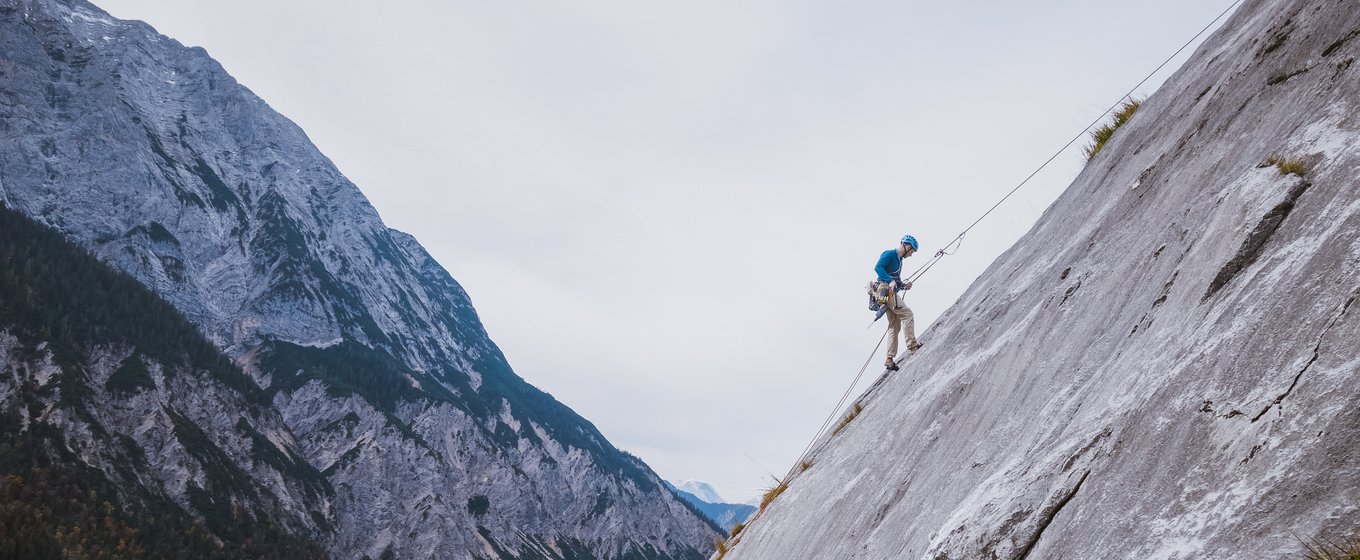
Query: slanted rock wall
1165, 366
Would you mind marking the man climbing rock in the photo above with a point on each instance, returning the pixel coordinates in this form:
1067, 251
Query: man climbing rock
889, 270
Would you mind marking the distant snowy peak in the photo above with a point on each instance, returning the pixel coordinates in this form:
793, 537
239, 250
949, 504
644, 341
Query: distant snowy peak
702, 496
702, 490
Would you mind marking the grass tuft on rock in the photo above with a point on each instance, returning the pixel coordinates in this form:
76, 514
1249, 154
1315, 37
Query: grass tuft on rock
846, 421
1348, 549
1103, 134
1288, 165
721, 546
773, 493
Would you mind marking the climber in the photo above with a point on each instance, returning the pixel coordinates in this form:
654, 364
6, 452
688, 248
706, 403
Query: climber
888, 287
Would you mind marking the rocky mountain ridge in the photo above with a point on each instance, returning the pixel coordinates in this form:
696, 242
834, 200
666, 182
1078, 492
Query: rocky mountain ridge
1164, 367
153, 158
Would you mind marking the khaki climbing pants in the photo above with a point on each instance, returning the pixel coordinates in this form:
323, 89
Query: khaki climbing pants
899, 316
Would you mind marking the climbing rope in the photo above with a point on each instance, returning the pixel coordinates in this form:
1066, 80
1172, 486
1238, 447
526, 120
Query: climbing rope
958, 241
827, 423
1127, 96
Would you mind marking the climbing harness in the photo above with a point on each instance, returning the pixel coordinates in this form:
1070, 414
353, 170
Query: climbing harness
880, 294
876, 301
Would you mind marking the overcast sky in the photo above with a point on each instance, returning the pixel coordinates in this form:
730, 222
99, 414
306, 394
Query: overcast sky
666, 212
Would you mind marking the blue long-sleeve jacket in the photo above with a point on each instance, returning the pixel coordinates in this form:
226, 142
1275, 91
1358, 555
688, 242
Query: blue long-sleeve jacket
889, 266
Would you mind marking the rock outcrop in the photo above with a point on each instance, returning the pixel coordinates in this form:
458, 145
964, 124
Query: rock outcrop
1164, 367
152, 157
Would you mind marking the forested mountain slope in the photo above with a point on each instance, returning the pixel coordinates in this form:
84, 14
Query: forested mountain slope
106, 445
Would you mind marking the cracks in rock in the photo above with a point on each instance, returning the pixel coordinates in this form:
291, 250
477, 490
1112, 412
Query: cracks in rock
1291, 385
1332, 48
1285, 76
1277, 38
1166, 289
1317, 351
1072, 461
1148, 175
1282, 36
1146, 321
1225, 123
1254, 243
1204, 92
1047, 516
1011, 538
1062, 276
1208, 406
888, 506
1341, 68
1070, 291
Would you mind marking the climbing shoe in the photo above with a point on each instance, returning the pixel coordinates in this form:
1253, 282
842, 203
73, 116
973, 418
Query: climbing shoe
914, 346
891, 366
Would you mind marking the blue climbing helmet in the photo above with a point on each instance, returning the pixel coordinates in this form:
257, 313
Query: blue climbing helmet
909, 240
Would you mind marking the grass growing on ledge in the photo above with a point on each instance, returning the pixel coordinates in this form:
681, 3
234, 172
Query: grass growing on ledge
1288, 166
722, 549
1103, 134
773, 493
846, 422
1348, 549
736, 529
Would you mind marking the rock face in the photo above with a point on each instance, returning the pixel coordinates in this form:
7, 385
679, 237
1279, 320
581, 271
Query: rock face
150, 156
1164, 367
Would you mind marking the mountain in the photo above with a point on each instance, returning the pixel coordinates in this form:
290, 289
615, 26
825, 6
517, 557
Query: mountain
1163, 367
367, 362
708, 502
702, 490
